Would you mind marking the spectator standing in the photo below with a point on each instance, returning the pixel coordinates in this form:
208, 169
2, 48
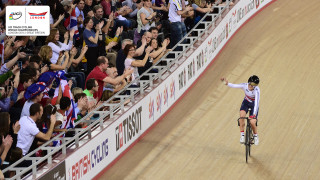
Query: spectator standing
145, 17
91, 39
97, 19
177, 28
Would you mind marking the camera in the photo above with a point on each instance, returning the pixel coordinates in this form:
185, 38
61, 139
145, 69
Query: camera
26, 50
159, 16
9, 86
19, 63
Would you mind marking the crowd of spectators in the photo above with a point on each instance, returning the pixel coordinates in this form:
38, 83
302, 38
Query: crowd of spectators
47, 83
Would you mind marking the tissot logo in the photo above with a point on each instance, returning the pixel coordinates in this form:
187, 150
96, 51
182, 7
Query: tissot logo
128, 128
15, 15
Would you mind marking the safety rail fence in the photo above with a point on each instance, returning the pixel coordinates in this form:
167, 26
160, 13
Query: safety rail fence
165, 66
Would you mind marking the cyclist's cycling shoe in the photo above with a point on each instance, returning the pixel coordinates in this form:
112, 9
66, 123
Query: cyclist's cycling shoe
241, 139
256, 140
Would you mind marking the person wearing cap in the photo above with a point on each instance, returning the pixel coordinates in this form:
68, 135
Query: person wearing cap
33, 94
46, 79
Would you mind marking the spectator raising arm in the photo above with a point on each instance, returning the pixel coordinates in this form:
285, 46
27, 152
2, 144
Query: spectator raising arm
73, 52
118, 79
140, 50
141, 63
6, 144
61, 17
110, 45
156, 53
47, 136
7, 75
65, 64
13, 61
95, 39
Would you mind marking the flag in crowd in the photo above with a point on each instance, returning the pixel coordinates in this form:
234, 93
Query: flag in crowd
71, 23
66, 92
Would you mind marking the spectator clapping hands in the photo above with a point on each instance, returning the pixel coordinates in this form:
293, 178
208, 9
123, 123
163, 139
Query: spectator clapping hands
16, 127
149, 49
7, 142
119, 31
127, 72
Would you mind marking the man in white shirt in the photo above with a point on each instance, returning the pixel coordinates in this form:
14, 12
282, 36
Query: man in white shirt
29, 130
177, 27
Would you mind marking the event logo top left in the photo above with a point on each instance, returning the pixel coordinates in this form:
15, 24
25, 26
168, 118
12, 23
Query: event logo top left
15, 15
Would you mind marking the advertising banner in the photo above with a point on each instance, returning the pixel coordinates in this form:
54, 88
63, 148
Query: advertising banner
57, 173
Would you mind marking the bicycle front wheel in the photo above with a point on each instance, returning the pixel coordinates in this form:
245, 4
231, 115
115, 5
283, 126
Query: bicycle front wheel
247, 143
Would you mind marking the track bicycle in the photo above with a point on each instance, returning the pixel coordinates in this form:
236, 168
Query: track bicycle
248, 136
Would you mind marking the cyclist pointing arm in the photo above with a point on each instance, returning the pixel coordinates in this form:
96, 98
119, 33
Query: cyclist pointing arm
250, 101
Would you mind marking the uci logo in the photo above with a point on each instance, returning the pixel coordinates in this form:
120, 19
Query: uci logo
15, 15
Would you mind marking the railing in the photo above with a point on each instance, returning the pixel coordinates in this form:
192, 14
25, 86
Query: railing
200, 31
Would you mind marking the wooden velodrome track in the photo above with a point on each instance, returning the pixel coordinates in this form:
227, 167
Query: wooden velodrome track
199, 138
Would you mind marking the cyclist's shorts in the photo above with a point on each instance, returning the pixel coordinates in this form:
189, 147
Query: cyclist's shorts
246, 105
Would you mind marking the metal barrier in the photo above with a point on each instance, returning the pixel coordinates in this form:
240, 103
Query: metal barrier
200, 31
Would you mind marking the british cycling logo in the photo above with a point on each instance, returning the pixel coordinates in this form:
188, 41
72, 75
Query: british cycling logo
15, 15
38, 15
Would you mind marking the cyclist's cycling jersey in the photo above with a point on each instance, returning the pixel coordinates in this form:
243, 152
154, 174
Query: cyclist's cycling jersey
250, 96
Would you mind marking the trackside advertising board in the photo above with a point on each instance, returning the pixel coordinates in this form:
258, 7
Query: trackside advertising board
98, 153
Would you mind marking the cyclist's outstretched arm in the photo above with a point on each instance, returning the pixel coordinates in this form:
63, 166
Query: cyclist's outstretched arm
225, 81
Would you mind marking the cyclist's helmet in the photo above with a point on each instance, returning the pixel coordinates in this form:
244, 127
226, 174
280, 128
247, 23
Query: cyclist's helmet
253, 80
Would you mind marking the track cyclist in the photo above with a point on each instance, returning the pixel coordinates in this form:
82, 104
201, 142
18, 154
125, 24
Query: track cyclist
250, 101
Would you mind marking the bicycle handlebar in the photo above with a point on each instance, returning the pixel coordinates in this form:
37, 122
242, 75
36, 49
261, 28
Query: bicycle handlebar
243, 117
247, 118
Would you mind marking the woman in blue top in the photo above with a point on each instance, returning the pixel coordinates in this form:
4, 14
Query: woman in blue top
91, 38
